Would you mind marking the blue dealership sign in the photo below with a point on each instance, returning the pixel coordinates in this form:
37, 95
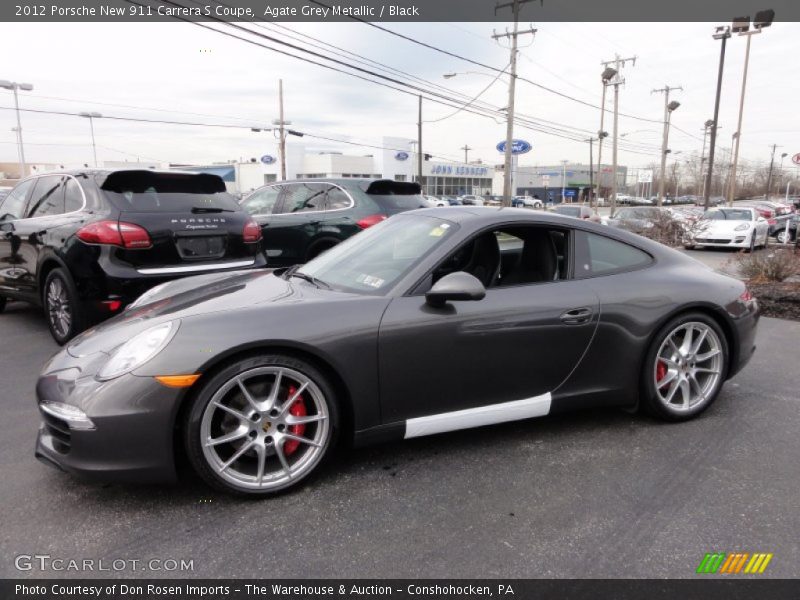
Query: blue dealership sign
517, 147
401, 156
267, 159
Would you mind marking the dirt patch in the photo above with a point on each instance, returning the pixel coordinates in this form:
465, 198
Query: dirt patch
780, 300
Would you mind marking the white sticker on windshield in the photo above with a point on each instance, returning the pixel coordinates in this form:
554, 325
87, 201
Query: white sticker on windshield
369, 280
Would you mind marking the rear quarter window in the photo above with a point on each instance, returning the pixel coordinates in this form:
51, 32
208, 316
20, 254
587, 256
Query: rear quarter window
598, 255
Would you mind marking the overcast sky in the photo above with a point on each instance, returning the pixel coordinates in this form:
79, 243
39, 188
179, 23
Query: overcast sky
172, 70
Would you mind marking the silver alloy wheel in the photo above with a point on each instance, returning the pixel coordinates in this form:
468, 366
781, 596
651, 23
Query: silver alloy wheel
58, 308
688, 366
252, 438
782, 237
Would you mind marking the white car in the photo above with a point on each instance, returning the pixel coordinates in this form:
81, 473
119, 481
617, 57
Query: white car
740, 227
527, 201
433, 201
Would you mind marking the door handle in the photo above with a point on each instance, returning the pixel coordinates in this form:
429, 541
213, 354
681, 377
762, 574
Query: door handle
576, 316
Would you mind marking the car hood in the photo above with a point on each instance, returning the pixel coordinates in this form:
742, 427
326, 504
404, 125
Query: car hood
720, 226
192, 296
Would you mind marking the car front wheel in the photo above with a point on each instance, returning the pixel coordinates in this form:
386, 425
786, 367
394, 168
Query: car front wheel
685, 368
261, 425
61, 305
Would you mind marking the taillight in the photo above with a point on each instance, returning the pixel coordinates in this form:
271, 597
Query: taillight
746, 296
251, 231
772, 221
113, 233
370, 221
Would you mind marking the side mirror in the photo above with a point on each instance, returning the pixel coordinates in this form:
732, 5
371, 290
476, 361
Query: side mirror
8, 226
455, 286
761, 219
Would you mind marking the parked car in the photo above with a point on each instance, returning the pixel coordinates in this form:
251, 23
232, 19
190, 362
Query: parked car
471, 200
302, 219
636, 218
84, 244
390, 335
433, 201
527, 202
737, 227
578, 211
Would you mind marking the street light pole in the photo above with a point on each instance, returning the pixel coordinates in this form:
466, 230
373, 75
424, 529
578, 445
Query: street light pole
91, 116
607, 75
14, 86
466, 150
668, 108
722, 33
769, 176
592, 203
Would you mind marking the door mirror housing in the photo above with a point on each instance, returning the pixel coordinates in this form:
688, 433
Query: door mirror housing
455, 286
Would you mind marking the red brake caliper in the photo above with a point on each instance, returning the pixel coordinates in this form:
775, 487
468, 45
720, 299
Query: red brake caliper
661, 370
298, 409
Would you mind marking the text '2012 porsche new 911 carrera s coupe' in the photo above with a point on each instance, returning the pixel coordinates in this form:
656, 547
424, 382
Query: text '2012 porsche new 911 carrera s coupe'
432, 321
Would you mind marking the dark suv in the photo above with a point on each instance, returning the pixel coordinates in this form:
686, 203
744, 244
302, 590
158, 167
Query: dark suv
303, 218
84, 244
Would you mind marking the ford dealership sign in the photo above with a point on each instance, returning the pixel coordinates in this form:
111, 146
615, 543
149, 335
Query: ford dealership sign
267, 159
401, 156
517, 147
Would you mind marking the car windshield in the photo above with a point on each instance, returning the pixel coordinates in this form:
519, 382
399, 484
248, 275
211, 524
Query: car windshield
372, 261
728, 214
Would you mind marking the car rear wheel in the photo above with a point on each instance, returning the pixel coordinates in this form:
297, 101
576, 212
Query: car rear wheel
261, 425
685, 368
64, 313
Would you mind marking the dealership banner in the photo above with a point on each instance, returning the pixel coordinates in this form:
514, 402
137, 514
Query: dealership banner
720, 11
541, 589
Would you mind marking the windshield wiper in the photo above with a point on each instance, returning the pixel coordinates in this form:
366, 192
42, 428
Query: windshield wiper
293, 272
208, 209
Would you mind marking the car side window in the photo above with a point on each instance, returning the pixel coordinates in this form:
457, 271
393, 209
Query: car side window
337, 199
262, 202
599, 255
303, 197
14, 204
47, 198
73, 196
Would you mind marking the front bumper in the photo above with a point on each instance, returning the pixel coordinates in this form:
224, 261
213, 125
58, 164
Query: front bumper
131, 419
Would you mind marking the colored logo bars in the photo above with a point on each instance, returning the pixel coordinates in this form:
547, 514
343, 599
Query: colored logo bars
734, 562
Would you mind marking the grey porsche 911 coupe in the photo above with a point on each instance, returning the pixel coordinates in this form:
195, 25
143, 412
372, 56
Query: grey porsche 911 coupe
432, 321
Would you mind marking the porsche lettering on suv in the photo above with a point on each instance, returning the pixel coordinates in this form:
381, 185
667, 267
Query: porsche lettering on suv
84, 244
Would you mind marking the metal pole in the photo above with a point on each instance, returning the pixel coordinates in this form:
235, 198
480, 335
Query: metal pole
563, 180
713, 142
591, 175
282, 131
664, 147
614, 151
466, 150
703, 162
600, 142
94, 146
732, 188
19, 135
419, 141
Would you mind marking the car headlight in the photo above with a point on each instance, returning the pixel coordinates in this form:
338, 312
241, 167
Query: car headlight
138, 350
742, 227
145, 298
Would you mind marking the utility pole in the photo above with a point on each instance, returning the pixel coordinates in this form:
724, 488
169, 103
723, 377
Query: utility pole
282, 132
769, 176
668, 108
616, 80
507, 174
722, 33
419, 142
466, 150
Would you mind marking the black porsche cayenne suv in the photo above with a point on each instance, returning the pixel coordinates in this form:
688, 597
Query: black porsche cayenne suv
84, 244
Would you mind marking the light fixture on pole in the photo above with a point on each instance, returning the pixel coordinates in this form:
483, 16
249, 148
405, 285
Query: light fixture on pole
741, 26
14, 86
607, 75
720, 33
92, 116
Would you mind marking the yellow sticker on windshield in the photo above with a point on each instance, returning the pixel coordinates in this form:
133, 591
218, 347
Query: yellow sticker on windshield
438, 231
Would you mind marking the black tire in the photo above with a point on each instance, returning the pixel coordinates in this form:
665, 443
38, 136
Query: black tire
2, 303
649, 397
59, 282
752, 246
193, 422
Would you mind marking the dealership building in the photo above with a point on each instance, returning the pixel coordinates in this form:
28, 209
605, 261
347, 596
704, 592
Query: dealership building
574, 178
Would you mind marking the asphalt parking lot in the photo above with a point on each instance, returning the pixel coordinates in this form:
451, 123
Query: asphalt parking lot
595, 494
